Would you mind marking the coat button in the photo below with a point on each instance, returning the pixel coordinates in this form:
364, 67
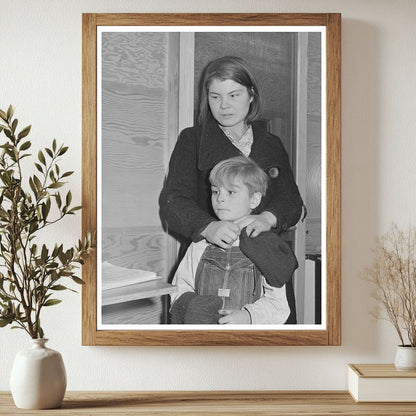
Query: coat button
274, 172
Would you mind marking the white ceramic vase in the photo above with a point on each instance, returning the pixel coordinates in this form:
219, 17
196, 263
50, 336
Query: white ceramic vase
38, 377
405, 358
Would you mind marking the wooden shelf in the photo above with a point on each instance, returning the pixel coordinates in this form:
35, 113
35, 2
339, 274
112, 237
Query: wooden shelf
178, 403
138, 291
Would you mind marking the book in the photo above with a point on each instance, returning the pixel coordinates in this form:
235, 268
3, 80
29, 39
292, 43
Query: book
381, 383
115, 276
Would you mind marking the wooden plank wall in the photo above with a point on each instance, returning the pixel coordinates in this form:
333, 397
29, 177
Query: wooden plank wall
135, 129
314, 146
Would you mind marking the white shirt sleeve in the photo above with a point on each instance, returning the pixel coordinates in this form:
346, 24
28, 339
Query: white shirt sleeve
184, 277
271, 308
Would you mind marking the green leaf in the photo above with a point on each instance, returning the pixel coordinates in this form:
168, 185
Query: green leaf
62, 257
33, 227
55, 251
56, 185
24, 132
25, 155
68, 199
14, 125
10, 112
37, 182
76, 279
54, 145
33, 187
77, 208
58, 199
25, 145
45, 210
3, 115
60, 249
40, 332
39, 167
5, 321
8, 133
5, 298
59, 287
41, 157
63, 150
49, 152
66, 273
54, 276
51, 302
67, 174
44, 253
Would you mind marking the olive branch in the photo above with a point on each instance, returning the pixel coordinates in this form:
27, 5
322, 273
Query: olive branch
30, 272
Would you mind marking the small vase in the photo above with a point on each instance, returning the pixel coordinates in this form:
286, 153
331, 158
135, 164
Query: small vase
405, 358
38, 377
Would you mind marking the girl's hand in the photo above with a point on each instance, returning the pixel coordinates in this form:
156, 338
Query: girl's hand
257, 224
221, 233
234, 316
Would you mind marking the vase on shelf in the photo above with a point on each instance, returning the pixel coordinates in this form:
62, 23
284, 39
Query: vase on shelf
38, 377
405, 358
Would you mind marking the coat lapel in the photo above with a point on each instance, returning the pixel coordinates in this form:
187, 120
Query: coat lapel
214, 146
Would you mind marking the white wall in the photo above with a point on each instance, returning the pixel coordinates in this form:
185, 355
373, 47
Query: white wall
40, 73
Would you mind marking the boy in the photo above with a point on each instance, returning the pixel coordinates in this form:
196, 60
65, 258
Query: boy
226, 286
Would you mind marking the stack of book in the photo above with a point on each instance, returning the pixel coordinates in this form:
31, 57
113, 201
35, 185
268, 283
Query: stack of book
115, 276
381, 383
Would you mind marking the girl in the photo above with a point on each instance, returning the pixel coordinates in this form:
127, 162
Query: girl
227, 127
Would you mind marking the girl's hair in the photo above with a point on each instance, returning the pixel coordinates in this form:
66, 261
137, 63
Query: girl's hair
236, 69
242, 168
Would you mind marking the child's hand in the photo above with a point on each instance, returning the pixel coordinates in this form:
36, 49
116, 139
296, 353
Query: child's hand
221, 233
234, 316
257, 224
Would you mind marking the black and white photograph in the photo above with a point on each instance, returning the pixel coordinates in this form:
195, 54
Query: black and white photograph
211, 178
261, 94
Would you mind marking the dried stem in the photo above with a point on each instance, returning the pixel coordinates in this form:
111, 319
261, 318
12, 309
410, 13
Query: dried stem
393, 276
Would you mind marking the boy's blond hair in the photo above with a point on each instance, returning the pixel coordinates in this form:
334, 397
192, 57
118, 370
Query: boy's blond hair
242, 168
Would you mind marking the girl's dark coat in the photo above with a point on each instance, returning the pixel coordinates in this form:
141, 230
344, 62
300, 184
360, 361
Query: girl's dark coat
185, 201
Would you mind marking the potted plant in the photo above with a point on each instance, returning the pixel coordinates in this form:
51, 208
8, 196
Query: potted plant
393, 277
31, 273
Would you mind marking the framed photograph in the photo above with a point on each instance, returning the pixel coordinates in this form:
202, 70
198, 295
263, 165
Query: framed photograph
144, 125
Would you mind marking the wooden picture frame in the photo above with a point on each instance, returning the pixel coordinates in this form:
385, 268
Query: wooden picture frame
327, 334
